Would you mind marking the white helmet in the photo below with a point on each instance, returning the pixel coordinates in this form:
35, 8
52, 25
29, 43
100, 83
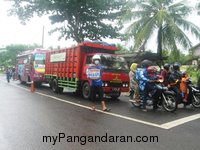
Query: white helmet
95, 57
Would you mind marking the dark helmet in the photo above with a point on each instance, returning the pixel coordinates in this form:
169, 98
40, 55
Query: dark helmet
146, 63
176, 66
166, 66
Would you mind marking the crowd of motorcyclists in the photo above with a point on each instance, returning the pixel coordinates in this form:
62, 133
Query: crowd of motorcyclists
143, 79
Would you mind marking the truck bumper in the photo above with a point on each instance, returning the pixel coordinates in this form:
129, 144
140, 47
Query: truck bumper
111, 90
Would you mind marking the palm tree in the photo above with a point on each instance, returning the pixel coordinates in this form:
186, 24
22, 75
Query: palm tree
165, 17
198, 8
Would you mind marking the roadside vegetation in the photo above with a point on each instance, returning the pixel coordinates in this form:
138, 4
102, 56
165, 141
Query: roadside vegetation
99, 19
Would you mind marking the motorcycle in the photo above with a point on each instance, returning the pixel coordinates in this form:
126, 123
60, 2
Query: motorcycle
164, 97
193, 96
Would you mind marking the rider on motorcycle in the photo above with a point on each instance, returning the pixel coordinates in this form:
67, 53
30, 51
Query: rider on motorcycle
174, 81
184, 87
165, 74
151, 87
143, 82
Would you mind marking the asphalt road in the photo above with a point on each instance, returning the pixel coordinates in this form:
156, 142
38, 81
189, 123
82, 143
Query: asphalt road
26, 119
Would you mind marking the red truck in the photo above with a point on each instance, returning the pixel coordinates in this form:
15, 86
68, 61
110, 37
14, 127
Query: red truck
66, 69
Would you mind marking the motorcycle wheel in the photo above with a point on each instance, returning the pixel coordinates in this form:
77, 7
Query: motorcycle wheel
171, 104
196, 101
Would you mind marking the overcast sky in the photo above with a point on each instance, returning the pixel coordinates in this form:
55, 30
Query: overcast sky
12, 32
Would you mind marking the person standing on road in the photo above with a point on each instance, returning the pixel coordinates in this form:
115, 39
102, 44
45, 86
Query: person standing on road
13, 73
134, 91
8, 74
94, 74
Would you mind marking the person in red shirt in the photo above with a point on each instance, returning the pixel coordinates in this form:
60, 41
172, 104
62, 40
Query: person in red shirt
165, 74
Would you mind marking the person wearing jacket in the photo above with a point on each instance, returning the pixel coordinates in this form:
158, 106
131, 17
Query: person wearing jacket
174, 81
134, 91
94, 74
143, 82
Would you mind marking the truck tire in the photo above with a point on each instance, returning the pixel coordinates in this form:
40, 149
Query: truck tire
86, 90
55, 87
51, 83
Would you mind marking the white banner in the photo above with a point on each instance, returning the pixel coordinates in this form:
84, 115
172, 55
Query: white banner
94, 73
58, 57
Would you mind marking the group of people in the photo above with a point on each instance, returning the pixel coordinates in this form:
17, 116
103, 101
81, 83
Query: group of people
143, 76
10, 73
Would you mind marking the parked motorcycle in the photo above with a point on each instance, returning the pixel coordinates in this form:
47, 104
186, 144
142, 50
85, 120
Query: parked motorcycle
162, 95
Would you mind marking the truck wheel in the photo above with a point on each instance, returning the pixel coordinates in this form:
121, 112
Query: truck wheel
86, 91
51, 83
55, 87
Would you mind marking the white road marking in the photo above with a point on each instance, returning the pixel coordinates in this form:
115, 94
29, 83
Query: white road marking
168, 125
180, 121
98, 110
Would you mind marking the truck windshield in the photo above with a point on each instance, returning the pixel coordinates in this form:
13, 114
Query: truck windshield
114, 62
39, 60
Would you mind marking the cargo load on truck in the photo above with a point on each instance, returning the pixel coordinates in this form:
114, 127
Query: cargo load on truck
65, 69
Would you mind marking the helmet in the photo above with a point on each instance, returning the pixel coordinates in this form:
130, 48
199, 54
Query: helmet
133, 66
184, 74
95, 57
166, 66
176, 66
151, 70
146, 63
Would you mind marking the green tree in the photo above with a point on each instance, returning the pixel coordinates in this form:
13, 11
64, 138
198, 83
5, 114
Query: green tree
165, 17
80, 19
198, 8
8, 57
123, 49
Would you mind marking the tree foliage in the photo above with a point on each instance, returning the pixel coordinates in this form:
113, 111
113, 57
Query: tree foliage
178, 56
80, 19
165, 17
8, 57
198, 8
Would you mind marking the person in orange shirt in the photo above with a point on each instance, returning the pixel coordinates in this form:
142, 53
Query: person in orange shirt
184, 87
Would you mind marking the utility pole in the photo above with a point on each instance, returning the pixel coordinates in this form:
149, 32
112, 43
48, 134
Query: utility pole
43, 36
